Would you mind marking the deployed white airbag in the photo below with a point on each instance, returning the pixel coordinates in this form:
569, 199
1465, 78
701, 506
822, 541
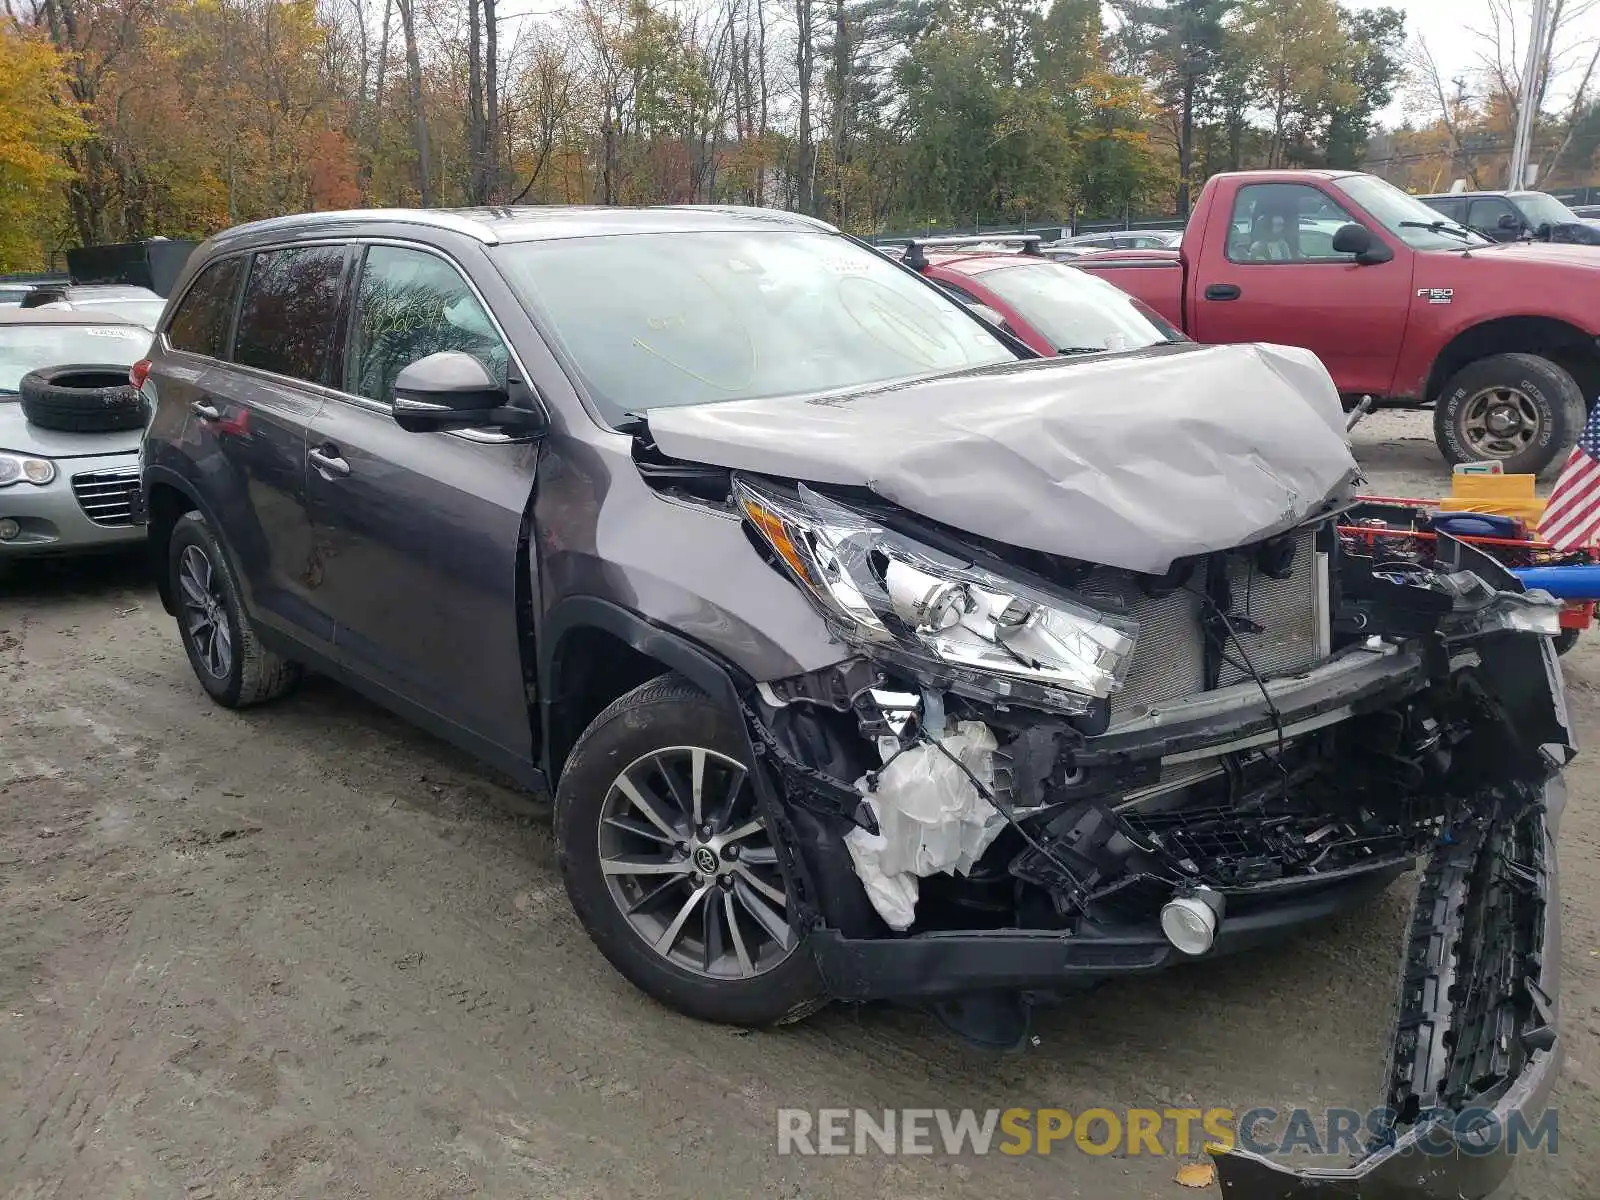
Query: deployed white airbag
1131, 461
930, 819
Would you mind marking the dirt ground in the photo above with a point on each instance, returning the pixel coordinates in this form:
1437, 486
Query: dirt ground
307, 951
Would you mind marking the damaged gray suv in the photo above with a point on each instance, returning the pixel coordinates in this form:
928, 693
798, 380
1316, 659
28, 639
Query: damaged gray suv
866, 655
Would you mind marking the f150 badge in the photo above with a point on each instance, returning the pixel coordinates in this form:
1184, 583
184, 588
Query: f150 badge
1436, 295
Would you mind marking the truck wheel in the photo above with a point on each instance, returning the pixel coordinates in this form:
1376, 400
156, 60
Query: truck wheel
1566, 640
669, 865
1521, 409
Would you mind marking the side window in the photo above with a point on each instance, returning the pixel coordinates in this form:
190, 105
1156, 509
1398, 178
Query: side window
200, 325
1484, 214
959, 292
289, 320
1450, 210
410, 304
1285, 222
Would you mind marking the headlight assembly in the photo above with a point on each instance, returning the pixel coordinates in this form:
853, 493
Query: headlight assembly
881, 590
17, 468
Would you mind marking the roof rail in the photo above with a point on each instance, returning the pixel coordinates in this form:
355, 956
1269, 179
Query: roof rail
756, 210
437, 218
916, 259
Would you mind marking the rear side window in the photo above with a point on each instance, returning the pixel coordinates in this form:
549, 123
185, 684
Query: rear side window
289, 319
200, 325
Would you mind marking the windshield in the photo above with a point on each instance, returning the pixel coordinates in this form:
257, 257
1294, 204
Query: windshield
1405, 216
1075, 311
657, 320
25, 348
1541, 208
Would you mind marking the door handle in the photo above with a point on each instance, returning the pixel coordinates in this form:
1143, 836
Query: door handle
327, 461
1222, 291
206, 412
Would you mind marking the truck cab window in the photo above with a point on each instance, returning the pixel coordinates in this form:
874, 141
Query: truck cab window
1285, 222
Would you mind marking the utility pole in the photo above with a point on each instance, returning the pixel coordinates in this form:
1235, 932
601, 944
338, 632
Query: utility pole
1527, 106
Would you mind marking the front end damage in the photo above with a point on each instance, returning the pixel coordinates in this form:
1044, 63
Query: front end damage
1035, 773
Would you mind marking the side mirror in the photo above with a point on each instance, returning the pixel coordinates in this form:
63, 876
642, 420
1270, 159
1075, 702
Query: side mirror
1360, 241
1509, 221
452, 390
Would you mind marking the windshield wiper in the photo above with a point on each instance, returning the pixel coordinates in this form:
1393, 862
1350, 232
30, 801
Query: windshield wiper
1440, 227
1082, 350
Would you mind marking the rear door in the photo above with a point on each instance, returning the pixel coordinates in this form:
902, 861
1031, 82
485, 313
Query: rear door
419, 533
1278, 279
260, 365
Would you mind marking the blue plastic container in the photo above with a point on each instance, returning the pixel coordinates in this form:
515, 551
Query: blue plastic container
1578, 583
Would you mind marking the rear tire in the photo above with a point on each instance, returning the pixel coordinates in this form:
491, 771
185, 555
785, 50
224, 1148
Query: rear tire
1566, 640
230, 662
1520, 409
738, 974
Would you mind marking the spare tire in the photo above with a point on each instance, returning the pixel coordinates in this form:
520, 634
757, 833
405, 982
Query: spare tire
89, 398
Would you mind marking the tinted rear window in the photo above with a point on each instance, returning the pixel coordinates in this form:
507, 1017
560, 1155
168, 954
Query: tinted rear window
289, 317
200, 325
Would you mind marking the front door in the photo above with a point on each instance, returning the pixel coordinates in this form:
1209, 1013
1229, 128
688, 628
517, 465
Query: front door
418, 533
1278, 279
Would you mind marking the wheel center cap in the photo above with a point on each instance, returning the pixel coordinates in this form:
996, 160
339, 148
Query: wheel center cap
1503, 420
705, 860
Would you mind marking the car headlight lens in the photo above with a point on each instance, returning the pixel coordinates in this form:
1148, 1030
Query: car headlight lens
882, 590
15, 468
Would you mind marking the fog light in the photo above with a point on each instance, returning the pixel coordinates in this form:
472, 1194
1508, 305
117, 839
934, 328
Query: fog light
8, 529
1190, 921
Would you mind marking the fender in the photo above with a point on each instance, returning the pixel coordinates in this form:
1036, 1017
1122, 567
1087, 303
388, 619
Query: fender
156, 473
721, 681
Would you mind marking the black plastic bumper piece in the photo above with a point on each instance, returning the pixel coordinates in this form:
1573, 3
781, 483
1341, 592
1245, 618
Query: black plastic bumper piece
944, 964
1487, 1013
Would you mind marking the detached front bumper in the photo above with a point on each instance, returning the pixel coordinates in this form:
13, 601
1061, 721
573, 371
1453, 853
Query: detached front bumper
1476, 1052
87, 506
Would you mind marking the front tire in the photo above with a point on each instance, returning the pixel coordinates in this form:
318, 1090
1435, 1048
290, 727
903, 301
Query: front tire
1519, 409
232, 665
669, 865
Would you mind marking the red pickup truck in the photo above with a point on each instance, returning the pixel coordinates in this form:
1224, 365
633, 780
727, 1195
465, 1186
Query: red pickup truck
1399, 303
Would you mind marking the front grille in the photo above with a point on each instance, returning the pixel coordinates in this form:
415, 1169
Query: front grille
106, 497
1169, 656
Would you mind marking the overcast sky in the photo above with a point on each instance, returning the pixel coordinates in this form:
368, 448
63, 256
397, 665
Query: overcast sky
1448, 26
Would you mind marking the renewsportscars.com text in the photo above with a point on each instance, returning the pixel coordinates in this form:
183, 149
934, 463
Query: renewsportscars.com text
1155, 1131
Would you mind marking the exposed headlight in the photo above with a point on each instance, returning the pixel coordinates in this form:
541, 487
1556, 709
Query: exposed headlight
881, 590
14, 468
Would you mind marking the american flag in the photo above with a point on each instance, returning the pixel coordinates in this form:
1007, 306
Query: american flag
1571, 519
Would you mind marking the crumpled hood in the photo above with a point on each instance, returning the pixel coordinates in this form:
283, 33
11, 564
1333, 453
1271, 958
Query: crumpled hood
19, 434
1131, 461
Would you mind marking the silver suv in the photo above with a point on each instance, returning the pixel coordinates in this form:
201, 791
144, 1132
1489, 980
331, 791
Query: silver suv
865, 654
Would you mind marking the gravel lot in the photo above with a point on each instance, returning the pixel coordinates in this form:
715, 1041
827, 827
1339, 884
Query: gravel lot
308, 951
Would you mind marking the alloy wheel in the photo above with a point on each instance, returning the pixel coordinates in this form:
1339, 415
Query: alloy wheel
205, 614
1499, 422
690, 864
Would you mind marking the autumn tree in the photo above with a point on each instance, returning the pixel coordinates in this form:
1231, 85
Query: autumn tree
39, 126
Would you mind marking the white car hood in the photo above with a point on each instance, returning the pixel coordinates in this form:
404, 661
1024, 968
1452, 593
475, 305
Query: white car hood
1131, 461
19, 434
